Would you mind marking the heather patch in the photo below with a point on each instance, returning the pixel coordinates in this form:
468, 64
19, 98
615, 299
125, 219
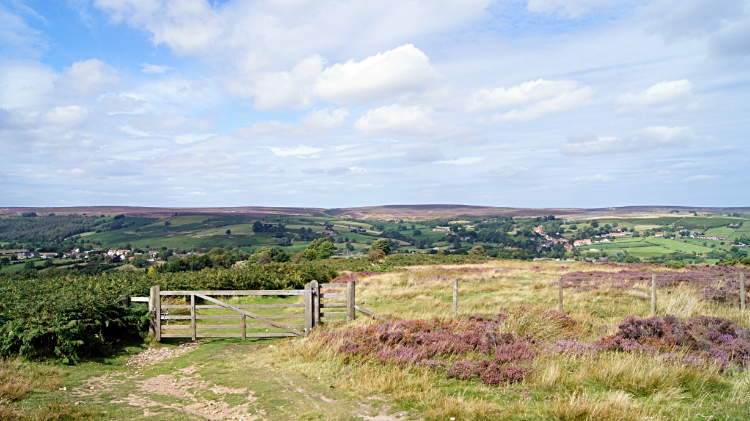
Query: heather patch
704, 339
717, 284
474, 348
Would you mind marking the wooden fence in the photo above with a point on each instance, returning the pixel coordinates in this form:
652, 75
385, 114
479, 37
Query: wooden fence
318, 301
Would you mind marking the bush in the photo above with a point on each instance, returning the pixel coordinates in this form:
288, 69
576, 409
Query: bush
376, 255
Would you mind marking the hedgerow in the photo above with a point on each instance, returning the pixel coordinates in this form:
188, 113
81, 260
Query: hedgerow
74, 317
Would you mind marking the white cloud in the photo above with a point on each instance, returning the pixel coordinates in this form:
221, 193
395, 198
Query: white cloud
300, 151
681, 19
650, 138
661, 94
313, 171
462, 161
314, 122
87, 77
24, 84
385, 75
184, 139
317, 121
74, 171
599, 178
154, 68
414, 120
702, 177
187, 162
274, 170
525, 93
283, 89
561, 102
72, 115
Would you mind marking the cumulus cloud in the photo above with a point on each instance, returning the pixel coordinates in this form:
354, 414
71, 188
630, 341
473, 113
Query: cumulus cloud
650, 138
314, 122
541, 97
385, 75
283, 89
409, 120
313, 171
561, 102
414, 120
72, 115
87, 77
680, 19
299, 151
660, 95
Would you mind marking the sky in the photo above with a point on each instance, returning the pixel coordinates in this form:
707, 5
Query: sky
334, 103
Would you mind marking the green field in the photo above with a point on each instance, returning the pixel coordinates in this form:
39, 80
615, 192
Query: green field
721, 231
678, 245
648, 252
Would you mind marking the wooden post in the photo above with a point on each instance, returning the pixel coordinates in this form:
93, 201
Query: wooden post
742, 291
455, 298
316, 302
193, 328
350, 301
653, 294
157, 308
309, 320
560, 294
244, 327
125, 300
151, 306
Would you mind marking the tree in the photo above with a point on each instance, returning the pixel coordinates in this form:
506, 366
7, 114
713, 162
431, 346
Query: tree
258, 226
320, 248
229, 232
167, 223
477, 251
417, 233
381, 244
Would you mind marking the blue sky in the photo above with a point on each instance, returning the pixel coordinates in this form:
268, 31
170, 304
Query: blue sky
538, 103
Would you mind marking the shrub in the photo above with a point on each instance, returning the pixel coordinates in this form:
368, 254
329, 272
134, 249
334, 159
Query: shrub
376, 255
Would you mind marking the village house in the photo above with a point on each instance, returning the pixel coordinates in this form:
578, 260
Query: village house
584, 242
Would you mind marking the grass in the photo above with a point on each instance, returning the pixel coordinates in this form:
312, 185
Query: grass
678, 245
308, 379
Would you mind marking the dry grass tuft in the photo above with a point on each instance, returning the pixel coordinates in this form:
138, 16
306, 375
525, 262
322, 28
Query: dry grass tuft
612, 406
18, 378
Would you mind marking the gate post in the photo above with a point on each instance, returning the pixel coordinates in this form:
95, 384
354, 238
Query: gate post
316, 302
350, 301
156, 291
193, 327
308, 309
151, 322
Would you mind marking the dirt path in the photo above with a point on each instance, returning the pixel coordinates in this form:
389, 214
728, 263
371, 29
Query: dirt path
193, 381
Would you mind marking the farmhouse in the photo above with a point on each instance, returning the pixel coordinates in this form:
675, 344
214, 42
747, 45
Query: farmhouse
584, 242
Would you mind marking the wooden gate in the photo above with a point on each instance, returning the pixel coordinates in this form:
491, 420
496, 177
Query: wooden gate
166, 324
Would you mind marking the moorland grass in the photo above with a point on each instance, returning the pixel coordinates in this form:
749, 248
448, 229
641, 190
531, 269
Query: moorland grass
605, 385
